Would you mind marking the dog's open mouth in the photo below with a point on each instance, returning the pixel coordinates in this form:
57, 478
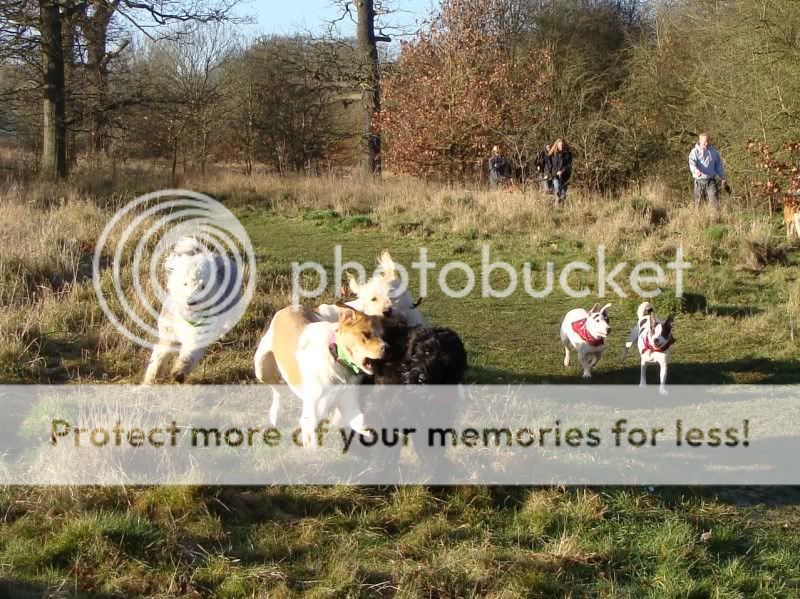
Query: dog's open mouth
368, 365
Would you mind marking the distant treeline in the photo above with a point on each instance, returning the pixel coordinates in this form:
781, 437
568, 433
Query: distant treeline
628, 83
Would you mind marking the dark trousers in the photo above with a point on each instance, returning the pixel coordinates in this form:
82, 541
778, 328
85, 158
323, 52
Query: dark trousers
707, 188
496, 180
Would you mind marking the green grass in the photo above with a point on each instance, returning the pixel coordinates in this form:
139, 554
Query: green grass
455, 542
730, 331
417, 541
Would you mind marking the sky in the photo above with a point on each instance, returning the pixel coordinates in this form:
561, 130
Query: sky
296, 16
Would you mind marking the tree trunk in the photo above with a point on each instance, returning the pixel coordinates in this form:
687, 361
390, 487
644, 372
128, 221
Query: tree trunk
70, 11
204, 147
54, 130
96, 46
249, 139
371, 96
174, 156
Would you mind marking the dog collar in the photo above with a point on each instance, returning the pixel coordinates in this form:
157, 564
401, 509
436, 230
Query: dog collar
194, 323
579, 326
652, 347
338, 354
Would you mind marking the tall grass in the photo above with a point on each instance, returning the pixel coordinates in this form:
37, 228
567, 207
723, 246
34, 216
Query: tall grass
48, 233
642, 224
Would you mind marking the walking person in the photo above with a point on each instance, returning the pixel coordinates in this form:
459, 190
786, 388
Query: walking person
499, 168
705, 164
543, 170
560, 169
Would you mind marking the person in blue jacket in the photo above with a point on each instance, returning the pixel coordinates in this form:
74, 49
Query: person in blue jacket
705, 164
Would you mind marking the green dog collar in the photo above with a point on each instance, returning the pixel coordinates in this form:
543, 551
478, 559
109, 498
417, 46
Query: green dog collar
339, 355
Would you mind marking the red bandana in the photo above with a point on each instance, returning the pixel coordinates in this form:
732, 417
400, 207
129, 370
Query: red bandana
652, 348
579, 326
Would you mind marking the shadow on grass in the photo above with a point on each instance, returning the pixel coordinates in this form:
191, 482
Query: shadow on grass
18, 589
734, 311
289, 503
748, 371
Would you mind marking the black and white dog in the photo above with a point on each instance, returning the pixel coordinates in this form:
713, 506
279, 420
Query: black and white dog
654, 340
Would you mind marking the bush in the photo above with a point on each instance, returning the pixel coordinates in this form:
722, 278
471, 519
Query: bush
670, 303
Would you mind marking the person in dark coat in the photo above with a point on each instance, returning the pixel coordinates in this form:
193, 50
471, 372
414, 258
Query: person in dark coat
560, 169
543, 169
499, 168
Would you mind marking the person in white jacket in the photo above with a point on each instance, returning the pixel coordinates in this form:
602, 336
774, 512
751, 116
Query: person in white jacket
705, 165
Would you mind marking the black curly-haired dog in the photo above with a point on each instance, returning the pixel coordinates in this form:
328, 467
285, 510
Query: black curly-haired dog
417, 385
421, 356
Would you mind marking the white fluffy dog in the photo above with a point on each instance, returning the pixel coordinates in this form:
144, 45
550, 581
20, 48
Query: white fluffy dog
585, 333
379, 296
654, 340
202, 304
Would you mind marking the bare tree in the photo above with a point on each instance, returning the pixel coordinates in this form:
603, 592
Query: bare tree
285, 110
24, 23
95, 26
367, 12
185, 98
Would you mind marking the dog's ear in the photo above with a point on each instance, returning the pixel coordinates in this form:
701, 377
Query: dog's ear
593, 309
190, 246
347, 315
604, 309
669, 322
353, 283
651, 321
171, 263
387, 265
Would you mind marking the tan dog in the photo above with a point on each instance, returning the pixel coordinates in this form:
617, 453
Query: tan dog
313, 356
791, 218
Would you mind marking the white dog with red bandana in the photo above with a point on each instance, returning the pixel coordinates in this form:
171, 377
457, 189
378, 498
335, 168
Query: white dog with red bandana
585, 333
654, 340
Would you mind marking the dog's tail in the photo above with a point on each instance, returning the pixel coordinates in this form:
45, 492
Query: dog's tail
264, 361
645, 309
632, 337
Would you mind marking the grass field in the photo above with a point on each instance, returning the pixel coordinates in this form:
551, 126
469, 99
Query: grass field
406, 541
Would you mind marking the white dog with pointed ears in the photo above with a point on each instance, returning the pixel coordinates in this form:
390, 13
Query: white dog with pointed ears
203, 291
382, 295
585, 333
654, 340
